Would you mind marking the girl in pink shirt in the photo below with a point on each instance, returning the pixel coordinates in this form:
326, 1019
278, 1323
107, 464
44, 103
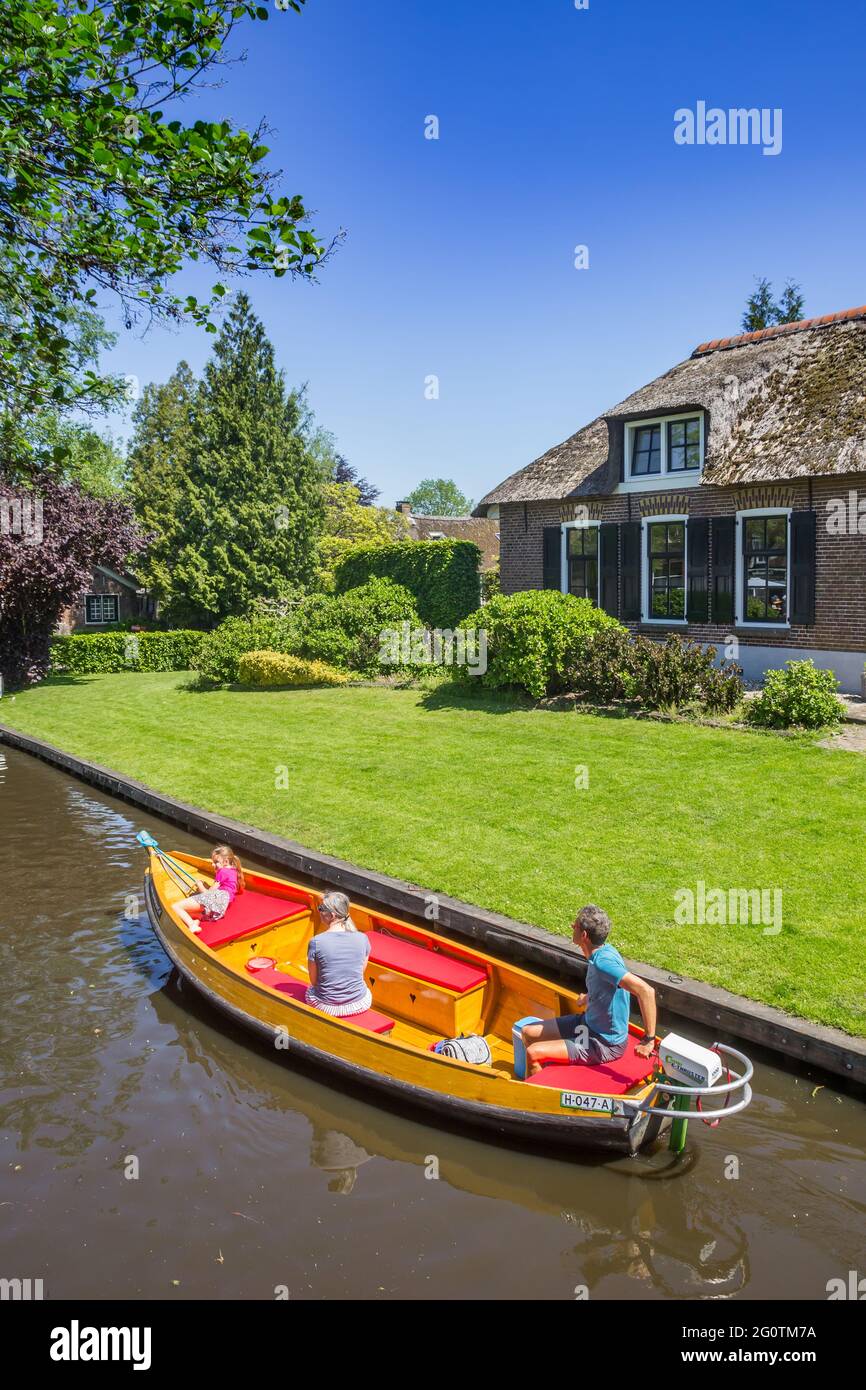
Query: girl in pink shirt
215, 899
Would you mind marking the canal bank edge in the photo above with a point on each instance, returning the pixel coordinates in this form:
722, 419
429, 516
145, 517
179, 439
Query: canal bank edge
778, 1033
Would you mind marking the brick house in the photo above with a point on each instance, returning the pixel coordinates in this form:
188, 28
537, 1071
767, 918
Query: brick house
726, 499
109, 598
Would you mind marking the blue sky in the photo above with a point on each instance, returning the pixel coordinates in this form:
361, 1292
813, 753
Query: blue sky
556, 129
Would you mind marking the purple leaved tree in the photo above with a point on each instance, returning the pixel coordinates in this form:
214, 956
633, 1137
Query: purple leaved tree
50, 540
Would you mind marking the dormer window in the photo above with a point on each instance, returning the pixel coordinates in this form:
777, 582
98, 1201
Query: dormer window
663, 451
647, 452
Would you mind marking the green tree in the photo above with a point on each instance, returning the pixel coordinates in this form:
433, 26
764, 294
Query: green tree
160, 453
233, 496
438, 497
349, 521
99, 191
763, 311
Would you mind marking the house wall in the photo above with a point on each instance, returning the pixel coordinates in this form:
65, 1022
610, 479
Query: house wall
836, 639
130, 605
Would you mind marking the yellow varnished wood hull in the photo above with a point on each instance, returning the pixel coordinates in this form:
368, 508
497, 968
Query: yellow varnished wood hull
397, 1065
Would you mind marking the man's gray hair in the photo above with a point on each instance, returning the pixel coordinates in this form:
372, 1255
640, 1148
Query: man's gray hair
595, 923
337, 905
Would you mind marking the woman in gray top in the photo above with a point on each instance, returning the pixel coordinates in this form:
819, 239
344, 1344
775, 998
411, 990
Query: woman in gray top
336, 958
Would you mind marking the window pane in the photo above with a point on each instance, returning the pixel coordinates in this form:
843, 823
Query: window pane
591, 568
658, 540
676, 536
590, 540
755, 533
677, 459
678, 432
777, 532
575, 541
693, 431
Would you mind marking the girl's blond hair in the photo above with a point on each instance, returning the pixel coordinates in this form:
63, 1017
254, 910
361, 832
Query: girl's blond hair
227, 853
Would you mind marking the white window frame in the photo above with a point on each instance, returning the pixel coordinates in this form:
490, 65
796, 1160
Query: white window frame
740, 570
94, 622
645, 586
652, 482
563, 555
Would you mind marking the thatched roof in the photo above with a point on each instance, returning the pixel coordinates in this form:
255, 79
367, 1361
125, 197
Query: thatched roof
482, 530
786, 402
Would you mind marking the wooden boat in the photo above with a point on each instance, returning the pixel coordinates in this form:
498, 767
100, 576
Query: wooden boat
252, 965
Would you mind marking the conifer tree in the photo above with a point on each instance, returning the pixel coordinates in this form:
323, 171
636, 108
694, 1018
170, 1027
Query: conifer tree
242, 509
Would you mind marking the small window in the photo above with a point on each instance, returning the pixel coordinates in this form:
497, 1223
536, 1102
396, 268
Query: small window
583, 562
667, 569
667, 448
684, 445
101, 608
647, 453
765, 569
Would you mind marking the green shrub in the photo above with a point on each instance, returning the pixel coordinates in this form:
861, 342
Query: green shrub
441, 575
610, 665
601, 666
680, 672
90, 653
532, 637
801, 696
491, 583
167, 651
104, 653
220, 651
346, 629
269, 670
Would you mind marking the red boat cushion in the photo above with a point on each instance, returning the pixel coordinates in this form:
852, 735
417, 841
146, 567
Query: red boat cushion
606, 1078
424, 964
372, 1021
251, 911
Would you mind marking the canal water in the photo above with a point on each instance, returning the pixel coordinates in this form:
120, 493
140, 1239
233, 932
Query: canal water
150, 1150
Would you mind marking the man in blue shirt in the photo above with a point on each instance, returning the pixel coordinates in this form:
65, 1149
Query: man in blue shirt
600, 1032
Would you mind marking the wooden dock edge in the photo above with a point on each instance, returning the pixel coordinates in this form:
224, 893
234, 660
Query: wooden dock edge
732, 1017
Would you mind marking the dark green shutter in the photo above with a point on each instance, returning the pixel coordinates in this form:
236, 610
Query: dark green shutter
608, 539
698, 542
552, 563
631, 565
803, 547
724, 561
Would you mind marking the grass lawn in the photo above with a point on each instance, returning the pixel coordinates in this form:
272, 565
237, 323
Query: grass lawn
474, 797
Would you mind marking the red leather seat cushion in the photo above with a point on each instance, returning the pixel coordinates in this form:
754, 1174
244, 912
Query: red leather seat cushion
287, 984
424, 964
605, 1079
251, 911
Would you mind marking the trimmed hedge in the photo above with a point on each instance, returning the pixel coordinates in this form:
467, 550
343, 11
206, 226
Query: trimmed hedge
271, 670
442, 575
107, 653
